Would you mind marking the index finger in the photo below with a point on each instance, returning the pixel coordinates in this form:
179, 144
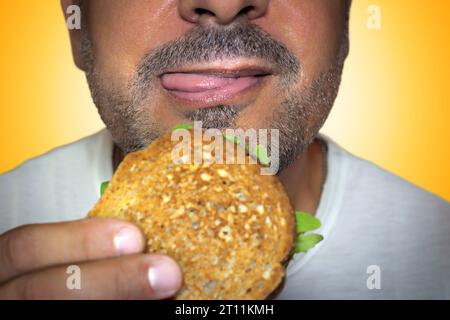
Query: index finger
38, 246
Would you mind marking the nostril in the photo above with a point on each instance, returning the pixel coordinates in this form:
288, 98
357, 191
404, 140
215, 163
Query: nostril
201, 11
246, 10
243, 11
221, 14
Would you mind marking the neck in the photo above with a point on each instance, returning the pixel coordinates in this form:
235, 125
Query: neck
303, 179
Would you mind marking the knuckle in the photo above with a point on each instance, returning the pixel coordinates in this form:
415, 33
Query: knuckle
29, 290
130, 281
86, 247
89, 239
123, 277
14, 249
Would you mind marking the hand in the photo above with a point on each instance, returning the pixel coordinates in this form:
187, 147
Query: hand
109, 253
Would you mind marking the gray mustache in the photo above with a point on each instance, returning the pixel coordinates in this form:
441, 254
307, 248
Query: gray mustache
203, 45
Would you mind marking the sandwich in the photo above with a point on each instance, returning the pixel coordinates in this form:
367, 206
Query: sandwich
231, 229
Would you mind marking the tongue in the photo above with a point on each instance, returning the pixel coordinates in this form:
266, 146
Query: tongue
192, 82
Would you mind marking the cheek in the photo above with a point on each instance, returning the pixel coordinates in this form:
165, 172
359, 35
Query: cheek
123, 31
309, 30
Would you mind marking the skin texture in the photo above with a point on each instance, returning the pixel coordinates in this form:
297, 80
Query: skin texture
34, 259
119, 47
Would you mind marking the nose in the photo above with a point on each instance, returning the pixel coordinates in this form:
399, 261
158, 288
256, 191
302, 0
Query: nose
221, 12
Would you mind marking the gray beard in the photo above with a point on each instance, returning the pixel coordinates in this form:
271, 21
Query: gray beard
298, 118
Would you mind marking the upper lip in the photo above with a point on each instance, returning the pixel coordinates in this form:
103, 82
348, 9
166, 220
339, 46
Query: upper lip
236, 71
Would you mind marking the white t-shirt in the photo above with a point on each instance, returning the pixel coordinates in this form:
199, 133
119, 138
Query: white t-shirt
384, 237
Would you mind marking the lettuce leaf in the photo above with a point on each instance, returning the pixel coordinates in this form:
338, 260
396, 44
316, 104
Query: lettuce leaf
103, 187
182, 126
306, 222
307, 241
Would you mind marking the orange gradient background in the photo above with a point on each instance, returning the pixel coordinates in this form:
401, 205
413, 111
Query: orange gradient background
393, 107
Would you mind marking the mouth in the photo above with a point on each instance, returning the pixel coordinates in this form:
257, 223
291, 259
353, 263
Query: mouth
207, 86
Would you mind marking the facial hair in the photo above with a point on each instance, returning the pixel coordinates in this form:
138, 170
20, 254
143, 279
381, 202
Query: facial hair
299, 116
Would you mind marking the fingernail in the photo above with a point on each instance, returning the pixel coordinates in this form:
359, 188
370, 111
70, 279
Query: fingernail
128, 240
165, 277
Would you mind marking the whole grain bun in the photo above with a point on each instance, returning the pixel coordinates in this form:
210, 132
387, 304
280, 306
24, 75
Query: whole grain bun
230, 228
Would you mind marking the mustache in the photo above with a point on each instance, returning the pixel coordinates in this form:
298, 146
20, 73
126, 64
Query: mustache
212, 43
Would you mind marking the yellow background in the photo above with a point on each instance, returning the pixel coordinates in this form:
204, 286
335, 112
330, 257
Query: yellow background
393, 107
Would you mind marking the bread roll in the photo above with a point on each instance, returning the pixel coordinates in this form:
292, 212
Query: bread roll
230, 228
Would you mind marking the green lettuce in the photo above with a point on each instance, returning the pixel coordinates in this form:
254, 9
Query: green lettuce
306, 222
103, 187
182, 126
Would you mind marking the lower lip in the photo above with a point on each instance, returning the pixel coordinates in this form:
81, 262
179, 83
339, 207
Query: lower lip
202, 91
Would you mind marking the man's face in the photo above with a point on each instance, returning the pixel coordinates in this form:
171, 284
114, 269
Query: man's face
152, 64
